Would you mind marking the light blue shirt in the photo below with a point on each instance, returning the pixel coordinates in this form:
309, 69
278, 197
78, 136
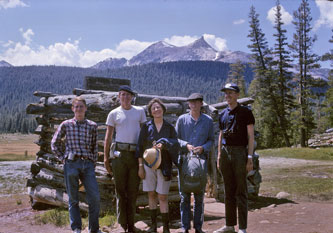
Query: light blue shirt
195, 133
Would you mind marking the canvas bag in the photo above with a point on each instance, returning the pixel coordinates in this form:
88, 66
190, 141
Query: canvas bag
193, 173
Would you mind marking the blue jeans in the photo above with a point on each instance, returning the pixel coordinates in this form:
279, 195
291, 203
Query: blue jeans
233, 168
185, 210
85, 171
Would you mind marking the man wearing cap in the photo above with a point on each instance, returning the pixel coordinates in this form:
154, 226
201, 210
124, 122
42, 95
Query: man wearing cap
234, 159
195, 133
125, 121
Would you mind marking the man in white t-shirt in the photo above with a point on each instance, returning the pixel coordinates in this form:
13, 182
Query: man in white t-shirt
125, 121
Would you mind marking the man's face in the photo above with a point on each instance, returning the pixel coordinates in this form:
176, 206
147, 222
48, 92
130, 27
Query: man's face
125, 97
79, 108
231, 96
195, 105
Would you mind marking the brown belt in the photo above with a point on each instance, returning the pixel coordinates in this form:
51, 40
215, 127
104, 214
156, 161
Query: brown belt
125, 146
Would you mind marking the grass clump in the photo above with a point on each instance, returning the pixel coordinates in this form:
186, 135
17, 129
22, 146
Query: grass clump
325, 154
58, 217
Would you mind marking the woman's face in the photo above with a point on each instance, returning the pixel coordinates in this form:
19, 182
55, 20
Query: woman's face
156, 110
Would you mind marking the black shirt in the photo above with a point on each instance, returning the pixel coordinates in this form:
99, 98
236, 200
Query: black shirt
233, 124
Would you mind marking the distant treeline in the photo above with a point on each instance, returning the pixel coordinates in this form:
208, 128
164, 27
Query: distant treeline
181, 78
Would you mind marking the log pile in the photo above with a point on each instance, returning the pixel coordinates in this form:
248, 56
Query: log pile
46, 183
322, 140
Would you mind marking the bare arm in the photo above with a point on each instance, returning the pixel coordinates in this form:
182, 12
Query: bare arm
250, 136
107, 144
219, 145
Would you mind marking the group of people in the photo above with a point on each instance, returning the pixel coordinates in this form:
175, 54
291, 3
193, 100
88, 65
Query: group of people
135, 149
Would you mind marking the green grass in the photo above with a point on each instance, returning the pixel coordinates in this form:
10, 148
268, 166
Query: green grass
309, 183
16, 157
60, 217
299, 153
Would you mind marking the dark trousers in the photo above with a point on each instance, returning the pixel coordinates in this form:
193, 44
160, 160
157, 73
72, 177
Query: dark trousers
125, 171
233, 167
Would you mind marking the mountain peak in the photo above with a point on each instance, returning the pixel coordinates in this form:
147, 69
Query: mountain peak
201, 43
3, 63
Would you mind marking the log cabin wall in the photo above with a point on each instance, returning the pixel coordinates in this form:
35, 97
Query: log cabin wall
46, 182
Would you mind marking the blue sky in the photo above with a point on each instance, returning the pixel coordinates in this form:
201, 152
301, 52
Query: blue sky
84, 32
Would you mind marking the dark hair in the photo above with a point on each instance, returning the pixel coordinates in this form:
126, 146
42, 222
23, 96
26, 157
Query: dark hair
155, 100
79, 98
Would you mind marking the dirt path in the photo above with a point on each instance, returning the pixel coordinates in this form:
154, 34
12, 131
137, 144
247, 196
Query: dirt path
267, 214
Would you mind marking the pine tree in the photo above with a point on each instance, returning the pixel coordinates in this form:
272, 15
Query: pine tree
266, 86
306, 60
236, 75
281, 64
328, 103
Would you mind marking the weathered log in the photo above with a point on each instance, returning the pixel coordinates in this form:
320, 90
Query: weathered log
44, 94
49, 195
243, 101
102, 83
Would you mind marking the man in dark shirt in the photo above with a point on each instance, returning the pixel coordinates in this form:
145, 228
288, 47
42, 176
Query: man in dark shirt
235, 150
79, 156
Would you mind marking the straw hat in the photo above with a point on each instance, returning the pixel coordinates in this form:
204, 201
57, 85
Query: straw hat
153, 158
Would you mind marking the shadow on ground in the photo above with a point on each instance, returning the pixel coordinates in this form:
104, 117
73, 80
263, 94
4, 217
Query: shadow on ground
262, 202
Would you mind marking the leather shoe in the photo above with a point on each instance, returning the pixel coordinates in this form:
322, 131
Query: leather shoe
199, 231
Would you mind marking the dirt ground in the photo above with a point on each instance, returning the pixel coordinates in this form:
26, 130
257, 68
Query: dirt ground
266, 214
269, 215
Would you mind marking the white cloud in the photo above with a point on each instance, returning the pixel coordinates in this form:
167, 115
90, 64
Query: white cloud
5, 4
27, 35
181, 40
66, 54
217, 43
326, 14
69, 53
238, 21
285, 15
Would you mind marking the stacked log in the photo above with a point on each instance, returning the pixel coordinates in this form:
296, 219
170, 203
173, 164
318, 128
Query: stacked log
322, 140
46, 183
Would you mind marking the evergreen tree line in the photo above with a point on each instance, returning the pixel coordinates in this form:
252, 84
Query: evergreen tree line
181, 78
290, 105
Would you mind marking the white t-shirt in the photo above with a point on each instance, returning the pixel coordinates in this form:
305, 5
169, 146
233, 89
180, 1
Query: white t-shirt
127, 123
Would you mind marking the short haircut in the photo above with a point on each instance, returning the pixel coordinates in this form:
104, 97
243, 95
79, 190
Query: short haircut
79, 98
156, 100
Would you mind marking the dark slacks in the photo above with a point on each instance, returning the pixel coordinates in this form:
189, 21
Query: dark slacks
125, 171
233, 167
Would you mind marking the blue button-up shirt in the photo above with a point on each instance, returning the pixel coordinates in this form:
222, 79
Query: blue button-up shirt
195, 133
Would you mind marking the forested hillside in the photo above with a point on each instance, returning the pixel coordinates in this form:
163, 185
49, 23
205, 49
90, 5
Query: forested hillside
17, 84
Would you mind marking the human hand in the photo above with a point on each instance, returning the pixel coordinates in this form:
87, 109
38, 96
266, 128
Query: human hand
249, 165
107, 166
158, 146
142, 173
189, 147
198, 150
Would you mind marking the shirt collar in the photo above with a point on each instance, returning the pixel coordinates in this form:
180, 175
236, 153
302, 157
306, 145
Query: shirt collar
78, 122
233, 110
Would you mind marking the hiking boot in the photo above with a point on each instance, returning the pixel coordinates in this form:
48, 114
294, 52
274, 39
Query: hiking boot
165, 220
77, 230
153, 226
199, 231
225, 229
124, 226
242, 231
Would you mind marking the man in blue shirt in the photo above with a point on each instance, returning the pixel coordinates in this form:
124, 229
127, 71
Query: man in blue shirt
234, 159
195, 133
